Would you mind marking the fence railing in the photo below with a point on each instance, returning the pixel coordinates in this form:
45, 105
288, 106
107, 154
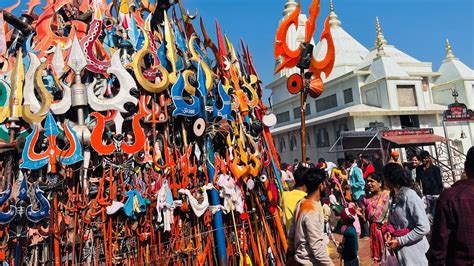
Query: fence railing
448, 173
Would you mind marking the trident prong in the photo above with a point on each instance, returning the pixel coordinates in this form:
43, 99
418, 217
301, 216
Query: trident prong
77, 60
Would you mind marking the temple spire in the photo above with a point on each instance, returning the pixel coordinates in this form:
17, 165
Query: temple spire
449, 51
380, 39
334, 21
290, 5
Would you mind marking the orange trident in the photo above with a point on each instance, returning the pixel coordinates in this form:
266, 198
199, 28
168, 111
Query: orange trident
290, 58
309, 82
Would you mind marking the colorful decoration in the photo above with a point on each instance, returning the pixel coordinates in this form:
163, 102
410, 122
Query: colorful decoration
123, 142
309, 80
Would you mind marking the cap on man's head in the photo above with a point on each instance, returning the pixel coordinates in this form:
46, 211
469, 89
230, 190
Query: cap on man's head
395, 153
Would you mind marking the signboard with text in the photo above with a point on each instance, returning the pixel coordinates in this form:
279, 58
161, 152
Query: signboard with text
408, 132
458, 112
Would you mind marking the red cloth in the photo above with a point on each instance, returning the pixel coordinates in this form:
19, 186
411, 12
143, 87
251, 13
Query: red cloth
376, 241
367, 170
274, 201
395, 232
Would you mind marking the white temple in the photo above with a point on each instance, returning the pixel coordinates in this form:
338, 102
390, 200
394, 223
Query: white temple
382, 84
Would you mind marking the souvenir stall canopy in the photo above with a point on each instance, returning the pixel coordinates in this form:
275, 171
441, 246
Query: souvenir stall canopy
383, 140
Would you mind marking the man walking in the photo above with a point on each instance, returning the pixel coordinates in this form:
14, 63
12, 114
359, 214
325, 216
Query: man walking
429, 178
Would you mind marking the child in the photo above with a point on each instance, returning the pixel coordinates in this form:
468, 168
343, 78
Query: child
356, 223
349, 247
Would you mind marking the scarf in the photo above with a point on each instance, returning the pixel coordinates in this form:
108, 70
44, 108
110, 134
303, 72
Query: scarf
198, 208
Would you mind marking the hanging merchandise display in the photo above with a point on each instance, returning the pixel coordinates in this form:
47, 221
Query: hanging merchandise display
124, 140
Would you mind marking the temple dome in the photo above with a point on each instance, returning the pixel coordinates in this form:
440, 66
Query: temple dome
452, 68
349, 51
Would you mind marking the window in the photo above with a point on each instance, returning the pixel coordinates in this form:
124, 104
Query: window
283, 117
341, 128
372, 97
409, 121
323, 138
282, 144
308, 140
293, 143
297, 111
348, 97
326, 103
425, 85
406, 95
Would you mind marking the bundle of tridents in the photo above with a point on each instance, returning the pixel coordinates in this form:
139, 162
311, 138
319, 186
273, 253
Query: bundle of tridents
123, 141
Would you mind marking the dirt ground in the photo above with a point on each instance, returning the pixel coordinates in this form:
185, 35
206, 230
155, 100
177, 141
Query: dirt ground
364, 251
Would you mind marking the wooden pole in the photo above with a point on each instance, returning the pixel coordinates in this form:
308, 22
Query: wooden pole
303, 118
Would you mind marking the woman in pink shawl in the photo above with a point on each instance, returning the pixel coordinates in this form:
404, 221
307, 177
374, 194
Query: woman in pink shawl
377, 206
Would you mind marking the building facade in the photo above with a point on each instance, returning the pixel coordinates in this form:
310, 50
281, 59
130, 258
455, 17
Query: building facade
381, 84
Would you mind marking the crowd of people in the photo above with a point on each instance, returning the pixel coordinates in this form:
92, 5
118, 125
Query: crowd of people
410, 218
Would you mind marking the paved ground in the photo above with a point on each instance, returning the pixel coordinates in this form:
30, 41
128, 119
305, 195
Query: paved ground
364, 251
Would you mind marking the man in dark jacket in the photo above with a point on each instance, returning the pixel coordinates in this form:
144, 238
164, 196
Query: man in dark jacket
452, 231
429, 178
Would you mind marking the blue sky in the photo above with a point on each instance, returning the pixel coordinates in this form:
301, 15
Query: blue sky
417, 27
